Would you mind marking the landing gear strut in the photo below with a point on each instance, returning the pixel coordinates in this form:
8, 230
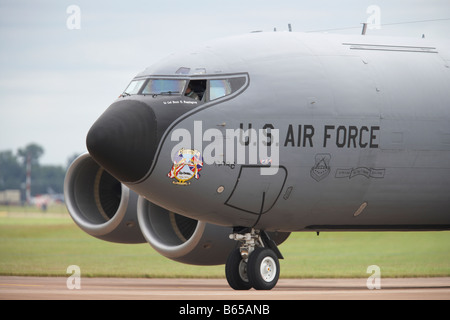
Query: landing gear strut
255, 263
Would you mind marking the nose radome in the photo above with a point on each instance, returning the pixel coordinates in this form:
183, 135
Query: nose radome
124, 140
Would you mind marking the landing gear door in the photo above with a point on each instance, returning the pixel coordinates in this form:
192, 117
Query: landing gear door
256, 193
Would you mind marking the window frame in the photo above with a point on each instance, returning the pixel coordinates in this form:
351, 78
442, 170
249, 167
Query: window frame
206, 96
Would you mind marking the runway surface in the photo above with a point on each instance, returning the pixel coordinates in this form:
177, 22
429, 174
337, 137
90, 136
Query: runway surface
53, 288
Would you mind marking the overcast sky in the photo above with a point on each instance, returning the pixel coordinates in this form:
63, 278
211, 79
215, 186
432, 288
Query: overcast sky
55, 80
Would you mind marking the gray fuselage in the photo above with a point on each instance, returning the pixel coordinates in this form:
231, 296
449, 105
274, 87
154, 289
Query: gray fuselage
356, 130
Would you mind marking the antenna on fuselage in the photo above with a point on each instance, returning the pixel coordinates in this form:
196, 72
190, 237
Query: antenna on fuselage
364, 29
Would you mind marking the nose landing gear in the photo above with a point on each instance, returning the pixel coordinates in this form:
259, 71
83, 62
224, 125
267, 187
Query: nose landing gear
255, 263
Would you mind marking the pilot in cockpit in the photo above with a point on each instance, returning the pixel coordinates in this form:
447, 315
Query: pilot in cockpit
191, 93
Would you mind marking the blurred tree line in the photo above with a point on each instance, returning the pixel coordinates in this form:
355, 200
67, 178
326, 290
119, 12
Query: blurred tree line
44, 178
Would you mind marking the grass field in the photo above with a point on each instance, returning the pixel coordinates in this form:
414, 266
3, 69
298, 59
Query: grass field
45, 244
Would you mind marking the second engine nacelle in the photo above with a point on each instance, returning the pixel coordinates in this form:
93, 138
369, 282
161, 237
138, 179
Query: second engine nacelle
187, 240
183, 239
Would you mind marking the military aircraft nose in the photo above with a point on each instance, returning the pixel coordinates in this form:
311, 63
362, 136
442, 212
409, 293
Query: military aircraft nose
124, 139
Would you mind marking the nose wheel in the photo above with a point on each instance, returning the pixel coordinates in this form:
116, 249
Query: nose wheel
255, 264
263, 269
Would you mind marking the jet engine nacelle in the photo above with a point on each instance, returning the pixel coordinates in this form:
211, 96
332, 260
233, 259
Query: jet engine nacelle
187, 240
183, 239
99, 204
105, 208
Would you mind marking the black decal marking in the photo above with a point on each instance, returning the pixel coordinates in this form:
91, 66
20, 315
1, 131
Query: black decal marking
321, 168
247, 136
327, 135
268, 134
341, 136
362, 145
360, 171
289, 137
308, 133
299, 136
352, 134
373, 136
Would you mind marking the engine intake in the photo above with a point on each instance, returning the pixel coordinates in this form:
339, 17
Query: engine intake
99, 204
183, 239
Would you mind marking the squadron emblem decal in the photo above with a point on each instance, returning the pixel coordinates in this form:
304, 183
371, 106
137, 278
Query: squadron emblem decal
187, 164
321, 168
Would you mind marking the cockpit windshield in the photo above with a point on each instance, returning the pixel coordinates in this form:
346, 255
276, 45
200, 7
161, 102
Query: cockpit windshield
201, 89
134, 87
164, 86
155, 86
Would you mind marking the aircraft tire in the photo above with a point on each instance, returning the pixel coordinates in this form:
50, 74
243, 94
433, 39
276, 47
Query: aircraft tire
263, 269
236, 271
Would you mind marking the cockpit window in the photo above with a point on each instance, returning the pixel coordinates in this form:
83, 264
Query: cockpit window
134, 87
164, 86
201, 89
196, 89
219, 88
